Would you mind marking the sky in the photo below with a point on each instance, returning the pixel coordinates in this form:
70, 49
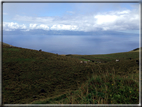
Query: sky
115, 26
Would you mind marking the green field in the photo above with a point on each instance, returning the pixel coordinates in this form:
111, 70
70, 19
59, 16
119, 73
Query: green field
67, 81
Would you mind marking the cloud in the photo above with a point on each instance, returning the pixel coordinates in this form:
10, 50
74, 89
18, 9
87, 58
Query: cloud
9, 26
33, 26
105, 19
118, 20
64, 27
111, 20
41, 26
33, 19
111, 17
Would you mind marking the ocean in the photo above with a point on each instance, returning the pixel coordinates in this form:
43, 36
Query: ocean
74, 44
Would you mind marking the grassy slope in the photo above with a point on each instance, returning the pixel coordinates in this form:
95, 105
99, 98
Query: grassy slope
5, 44
26, 72
108, 57
136, 50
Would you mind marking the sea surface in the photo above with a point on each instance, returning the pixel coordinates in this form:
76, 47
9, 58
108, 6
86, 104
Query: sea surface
74, 44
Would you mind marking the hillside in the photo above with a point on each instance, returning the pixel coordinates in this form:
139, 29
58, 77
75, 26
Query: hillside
30, 76
136, 50
5, 44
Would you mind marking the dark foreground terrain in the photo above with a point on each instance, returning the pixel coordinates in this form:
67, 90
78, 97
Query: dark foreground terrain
33, 77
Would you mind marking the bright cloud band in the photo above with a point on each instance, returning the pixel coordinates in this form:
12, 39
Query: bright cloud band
113, 20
